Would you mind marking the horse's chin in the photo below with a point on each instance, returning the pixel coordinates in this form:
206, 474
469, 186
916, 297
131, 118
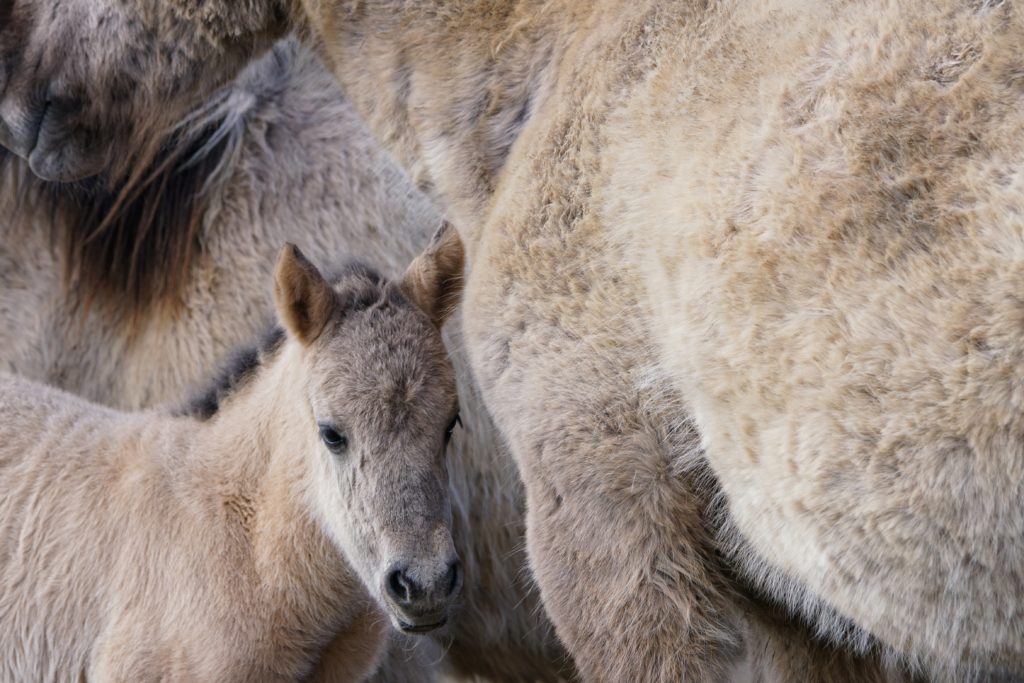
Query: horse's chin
402, 623
416, 623
55, 153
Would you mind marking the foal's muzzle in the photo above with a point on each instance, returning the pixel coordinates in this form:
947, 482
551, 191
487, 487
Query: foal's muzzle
421, 605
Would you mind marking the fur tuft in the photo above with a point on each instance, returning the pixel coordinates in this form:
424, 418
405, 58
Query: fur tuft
236, 372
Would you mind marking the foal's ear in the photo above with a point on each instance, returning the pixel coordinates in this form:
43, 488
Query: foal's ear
434, 279
304, 300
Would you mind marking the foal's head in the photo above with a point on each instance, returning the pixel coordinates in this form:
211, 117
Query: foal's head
382, 400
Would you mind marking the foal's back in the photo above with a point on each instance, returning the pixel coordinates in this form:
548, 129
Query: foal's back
53, 494
92, 520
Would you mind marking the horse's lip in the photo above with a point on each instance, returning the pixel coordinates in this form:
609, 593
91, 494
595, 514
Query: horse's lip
421, 628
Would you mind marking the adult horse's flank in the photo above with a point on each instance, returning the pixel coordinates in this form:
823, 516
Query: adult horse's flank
796, 226
259, 533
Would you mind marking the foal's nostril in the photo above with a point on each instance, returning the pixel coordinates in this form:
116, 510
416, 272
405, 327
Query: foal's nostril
411, 596
403, 589
451, 579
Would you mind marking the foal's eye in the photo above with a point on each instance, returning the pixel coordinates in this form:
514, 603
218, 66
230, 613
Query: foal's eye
335, 441
451, 428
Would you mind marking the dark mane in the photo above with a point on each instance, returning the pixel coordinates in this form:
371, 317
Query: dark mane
129, 243
359, 286
240, 367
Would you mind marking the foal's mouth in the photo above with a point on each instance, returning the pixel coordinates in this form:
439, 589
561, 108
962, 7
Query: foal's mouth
421, 628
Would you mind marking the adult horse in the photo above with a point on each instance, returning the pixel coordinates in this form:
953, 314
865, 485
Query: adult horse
235, 179
796, 224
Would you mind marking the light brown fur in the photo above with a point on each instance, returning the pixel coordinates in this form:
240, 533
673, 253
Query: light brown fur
298, 166
234, 546
790, 225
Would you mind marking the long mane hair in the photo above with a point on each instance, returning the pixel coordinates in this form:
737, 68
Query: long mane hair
129, 243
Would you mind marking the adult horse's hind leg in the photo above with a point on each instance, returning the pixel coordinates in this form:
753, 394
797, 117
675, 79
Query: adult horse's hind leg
620, 545
780, 650
617, 543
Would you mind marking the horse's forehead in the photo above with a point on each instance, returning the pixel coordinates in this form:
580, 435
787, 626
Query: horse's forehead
396, 365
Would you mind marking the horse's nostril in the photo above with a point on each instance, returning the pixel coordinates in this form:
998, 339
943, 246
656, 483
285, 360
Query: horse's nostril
402, 589
408, 594
451, 579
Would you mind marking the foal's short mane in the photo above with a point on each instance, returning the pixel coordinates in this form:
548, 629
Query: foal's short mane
241, 366
360, 287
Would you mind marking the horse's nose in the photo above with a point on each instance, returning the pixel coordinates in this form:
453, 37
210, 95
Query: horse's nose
407, 592
422, 605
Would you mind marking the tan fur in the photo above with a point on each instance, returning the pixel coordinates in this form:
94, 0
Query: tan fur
142, 544
300, 167
791, 225
305, 299
795, 210
429, 281
696, 201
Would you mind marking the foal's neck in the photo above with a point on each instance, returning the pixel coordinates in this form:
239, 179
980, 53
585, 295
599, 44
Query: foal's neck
255, 449
253, 475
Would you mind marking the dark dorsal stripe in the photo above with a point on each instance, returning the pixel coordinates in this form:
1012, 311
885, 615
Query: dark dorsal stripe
239, 369
359, 287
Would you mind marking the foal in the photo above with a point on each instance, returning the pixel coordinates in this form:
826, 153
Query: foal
259, 534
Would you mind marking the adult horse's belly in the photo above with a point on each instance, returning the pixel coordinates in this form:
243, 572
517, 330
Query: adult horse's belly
831, 232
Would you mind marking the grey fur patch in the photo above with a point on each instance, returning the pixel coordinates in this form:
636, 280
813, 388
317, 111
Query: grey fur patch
359, 287
237, 371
